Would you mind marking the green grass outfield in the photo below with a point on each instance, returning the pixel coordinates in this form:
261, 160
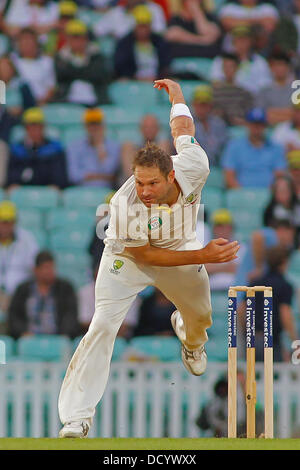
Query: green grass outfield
149, 444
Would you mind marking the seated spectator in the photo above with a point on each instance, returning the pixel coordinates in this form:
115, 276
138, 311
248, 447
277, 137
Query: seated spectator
119, 21
142, 54
287, 133
253, 263
17, 85
3, 162
253, 161
18, 249
283, 318
230, 101
284, 203
40, 15
222, 275
36, 160
253, 73
95, 159
57, 38
293, 159
44, 304
193, 33
82, 71
35, 68
248, 13
275, 98
150, 130
154, 316
210, 130
7, 122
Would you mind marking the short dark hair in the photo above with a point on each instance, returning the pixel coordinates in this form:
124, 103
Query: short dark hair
231, 56
277, 223
151, 155
43, 257
279, 57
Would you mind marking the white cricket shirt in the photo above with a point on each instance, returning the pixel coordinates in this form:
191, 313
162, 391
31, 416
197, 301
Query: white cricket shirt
133, 224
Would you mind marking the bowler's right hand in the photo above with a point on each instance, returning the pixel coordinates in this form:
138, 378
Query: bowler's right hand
219, 251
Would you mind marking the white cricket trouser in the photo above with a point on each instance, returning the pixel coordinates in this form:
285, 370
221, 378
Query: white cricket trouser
117, 286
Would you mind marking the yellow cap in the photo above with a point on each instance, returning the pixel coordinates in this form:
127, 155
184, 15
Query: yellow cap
76, 28
8, 211
293, 158
93, 116
33, 116
67, 8
203, 94
296, 106
241, 31
142, 15
222, 217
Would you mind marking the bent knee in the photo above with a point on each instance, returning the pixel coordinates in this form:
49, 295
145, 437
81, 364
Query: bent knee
101, 325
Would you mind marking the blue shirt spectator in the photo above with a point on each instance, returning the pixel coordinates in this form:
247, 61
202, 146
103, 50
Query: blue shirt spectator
94, 160
253, 161
253, 263
36, 160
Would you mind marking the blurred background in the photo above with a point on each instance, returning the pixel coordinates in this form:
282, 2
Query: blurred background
79, 102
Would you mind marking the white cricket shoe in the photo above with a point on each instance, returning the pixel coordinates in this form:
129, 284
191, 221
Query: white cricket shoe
195, 361
78, 429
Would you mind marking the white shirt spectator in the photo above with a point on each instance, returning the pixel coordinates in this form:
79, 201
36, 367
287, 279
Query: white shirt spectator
22, 14
252, 75
242, 12
39, 73
286, 135
118, 21
17, 260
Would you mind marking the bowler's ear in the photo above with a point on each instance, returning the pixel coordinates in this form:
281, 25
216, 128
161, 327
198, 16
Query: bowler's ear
171, 176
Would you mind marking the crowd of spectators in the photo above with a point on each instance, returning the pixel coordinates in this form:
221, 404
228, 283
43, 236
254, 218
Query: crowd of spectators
72, 52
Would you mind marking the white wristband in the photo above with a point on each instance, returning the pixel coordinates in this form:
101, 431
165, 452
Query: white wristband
179, 109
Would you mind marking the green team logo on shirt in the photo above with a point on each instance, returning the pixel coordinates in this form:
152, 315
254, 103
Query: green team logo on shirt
154, 222
118, 264
191, 198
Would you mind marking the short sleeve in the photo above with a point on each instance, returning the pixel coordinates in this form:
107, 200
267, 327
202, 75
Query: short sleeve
230, 156
280, 162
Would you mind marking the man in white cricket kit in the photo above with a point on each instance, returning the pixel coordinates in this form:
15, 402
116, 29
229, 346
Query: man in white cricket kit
151, 240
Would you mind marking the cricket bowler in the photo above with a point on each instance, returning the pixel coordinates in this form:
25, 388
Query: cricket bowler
150, 240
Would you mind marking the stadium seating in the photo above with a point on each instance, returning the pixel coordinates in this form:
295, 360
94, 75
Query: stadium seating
84, 197
212, 198
70, 238
7, 348
70, 217
4, 44
199, 66
215, 178
294, 268
31, 219
48, 348
38, 197
156, 348
64, 114
244, 198
125, 93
